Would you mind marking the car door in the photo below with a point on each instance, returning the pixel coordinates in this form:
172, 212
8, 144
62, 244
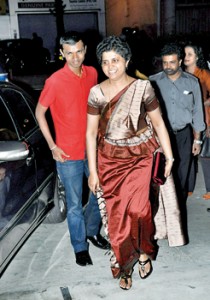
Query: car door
21, 180
17, 123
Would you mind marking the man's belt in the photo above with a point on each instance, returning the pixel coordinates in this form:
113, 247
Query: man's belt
180, 130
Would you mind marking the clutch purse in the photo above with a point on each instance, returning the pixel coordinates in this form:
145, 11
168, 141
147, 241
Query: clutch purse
159, 168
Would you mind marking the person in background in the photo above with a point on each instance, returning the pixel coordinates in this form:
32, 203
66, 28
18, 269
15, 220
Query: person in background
195, 64
65, 93
181, 103
122, 112
37, 40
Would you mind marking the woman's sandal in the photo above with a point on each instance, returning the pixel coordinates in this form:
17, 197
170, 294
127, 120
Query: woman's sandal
142, 265
127, 278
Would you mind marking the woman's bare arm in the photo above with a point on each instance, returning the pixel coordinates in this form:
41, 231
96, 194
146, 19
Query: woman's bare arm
91, 144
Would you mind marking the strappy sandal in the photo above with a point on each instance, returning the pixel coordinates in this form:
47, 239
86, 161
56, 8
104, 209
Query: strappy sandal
127, 277
142, 265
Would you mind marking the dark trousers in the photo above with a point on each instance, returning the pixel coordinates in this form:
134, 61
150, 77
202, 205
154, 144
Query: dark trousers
182, 150
192, 174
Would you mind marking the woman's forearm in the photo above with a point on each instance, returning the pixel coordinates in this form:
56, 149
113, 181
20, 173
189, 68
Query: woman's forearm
91, 152
91, 145
161, 132
164, 139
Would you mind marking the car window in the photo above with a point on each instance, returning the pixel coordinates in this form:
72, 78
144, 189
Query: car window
7, 133
20, 110
7, 127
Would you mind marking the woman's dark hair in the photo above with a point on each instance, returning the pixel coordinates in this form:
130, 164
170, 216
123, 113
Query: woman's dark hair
201, 63
113, 43
170, 49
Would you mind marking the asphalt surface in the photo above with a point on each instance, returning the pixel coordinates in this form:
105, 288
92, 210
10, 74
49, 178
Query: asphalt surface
45, 268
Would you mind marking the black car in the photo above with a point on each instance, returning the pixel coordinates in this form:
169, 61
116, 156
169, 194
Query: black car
30, 190
22, 57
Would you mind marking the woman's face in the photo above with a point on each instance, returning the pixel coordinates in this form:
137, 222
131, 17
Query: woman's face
190, 57
113, 65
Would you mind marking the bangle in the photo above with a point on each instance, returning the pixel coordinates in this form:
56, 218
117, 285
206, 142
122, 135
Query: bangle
53, 147
199, 142
170, 158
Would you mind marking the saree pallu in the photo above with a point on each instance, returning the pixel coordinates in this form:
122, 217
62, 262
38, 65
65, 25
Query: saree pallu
166, 213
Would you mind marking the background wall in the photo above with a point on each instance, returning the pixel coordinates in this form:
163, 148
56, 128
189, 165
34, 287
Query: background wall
130, 13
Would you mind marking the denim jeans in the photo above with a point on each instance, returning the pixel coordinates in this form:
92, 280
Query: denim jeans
80, 223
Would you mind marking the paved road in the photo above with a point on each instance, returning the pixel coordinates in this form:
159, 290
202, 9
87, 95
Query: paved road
45, 268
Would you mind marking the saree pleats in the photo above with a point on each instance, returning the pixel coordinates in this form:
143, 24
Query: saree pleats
125, 184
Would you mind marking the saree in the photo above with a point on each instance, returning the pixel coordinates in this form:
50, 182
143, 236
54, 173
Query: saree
126, 144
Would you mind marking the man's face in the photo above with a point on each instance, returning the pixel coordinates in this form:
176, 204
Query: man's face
74, 54
171, 64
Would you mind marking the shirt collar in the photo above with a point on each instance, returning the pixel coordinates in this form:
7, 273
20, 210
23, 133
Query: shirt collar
183, 74
71, 73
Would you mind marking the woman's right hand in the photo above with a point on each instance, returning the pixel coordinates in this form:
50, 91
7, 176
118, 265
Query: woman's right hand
93, 183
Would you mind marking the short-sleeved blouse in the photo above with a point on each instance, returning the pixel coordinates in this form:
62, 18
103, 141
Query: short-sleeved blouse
135, 139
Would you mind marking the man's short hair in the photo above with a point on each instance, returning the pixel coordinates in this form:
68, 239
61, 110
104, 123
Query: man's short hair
172, 48
71, 38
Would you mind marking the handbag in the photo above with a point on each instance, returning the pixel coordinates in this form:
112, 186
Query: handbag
205, 150
159, 168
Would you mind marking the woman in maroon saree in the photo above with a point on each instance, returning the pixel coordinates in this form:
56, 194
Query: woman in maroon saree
122, 112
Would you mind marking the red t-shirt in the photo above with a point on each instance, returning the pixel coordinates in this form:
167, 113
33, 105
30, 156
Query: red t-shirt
66, 95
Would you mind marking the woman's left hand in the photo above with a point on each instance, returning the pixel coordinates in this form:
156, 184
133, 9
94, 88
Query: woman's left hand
168, 167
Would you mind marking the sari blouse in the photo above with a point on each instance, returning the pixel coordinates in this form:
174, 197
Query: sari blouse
125, 129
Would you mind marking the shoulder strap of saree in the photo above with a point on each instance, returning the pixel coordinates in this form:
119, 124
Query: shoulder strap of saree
124, 119
109, 105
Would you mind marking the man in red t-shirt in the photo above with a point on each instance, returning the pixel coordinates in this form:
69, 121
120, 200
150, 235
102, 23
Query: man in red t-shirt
65, 93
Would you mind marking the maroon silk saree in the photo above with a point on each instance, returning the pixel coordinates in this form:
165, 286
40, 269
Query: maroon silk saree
125, 156
126, 144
